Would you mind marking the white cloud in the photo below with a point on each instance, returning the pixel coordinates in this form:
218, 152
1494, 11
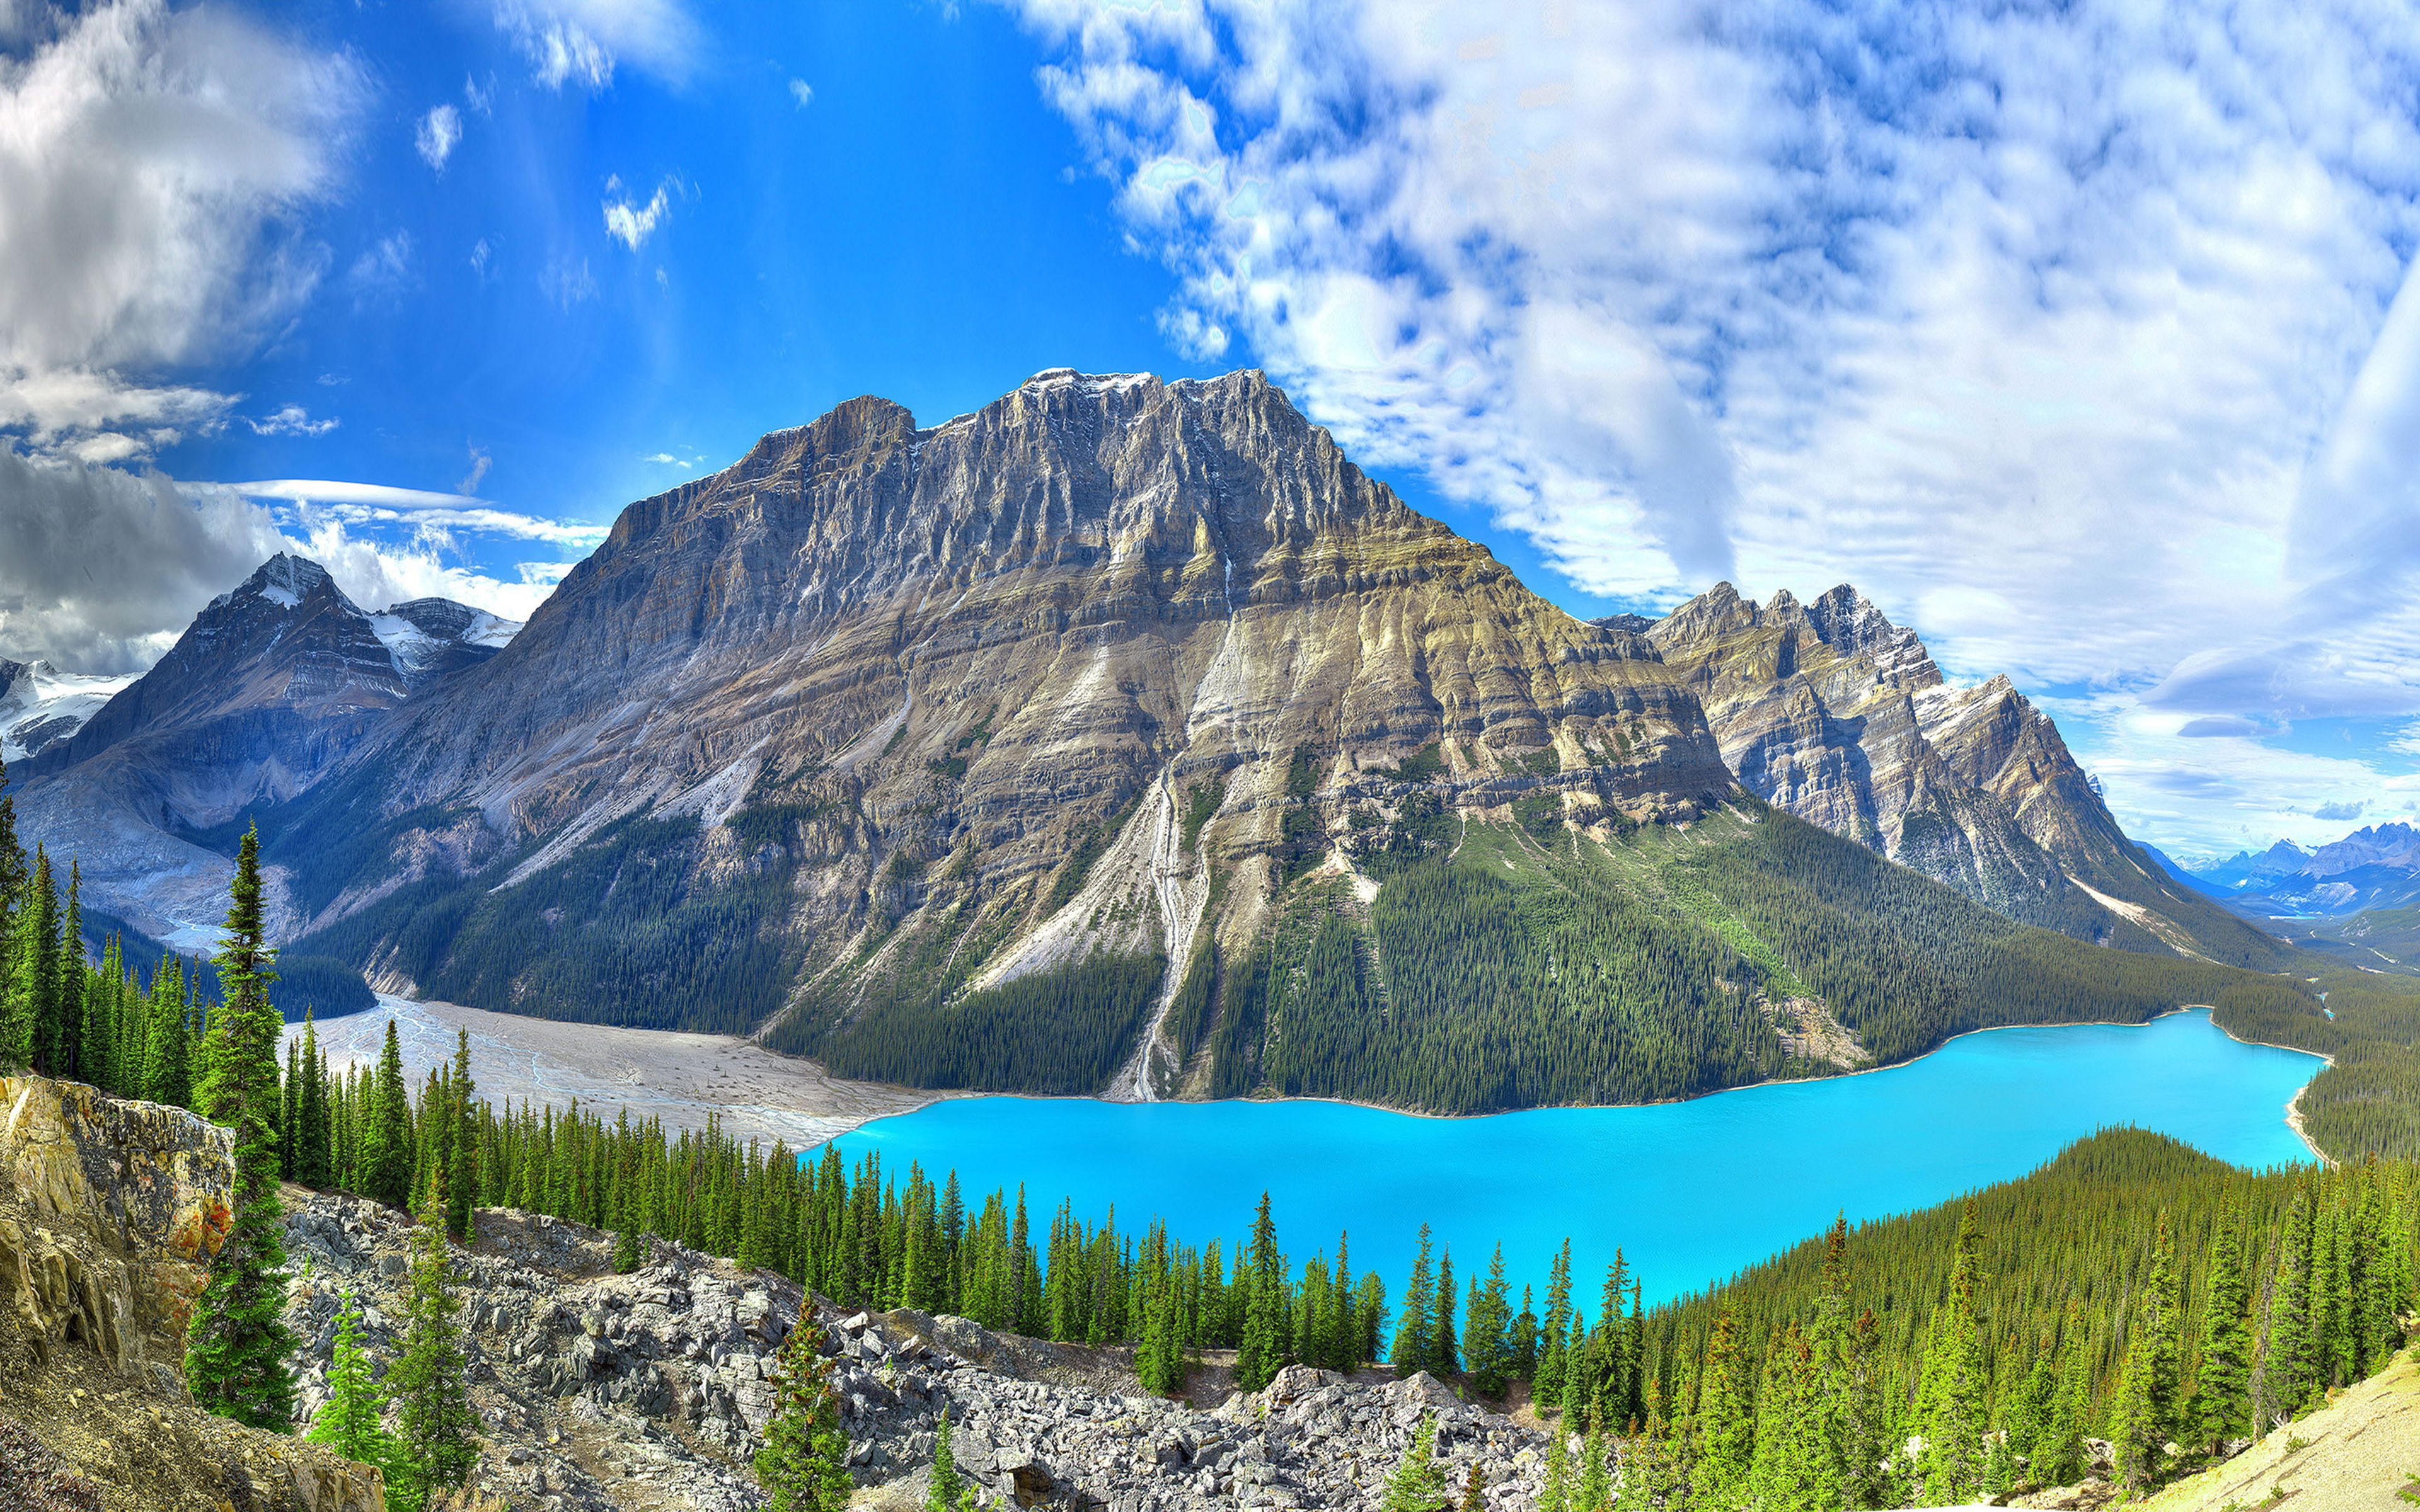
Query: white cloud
439, 132
803, 92
153, 162
290, 420
667, 460
101, 569
579, 42
480, 462
379, 503
632, 224
2028, 319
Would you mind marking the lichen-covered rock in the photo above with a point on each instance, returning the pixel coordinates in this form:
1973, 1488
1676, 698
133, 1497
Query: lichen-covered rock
110, 1212
110, 1215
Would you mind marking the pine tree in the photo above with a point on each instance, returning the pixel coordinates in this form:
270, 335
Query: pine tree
16, 1021
2134, 1419
2164, 1307
312, 1167
1555, 1495
351, 1423
38, 972
167, 1054
944, 1490
463, 1173
1414, 1339
2222, 1394
2058, 1456
1486, 1344
1263, 1353
387, 1152
238, 1346
1726, 1433
1593, 1490
1950, 1406
1417, 1484
1445, 1349
1474, 1491
69, 972
432, 1378
1547, 1386
804, 1463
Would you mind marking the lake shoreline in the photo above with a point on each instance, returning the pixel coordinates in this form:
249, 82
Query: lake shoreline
672, 1073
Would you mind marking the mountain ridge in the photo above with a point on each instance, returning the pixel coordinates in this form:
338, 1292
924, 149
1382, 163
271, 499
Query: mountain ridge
1830, 710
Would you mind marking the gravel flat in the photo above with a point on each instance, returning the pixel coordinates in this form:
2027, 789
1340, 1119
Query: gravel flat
680, 1078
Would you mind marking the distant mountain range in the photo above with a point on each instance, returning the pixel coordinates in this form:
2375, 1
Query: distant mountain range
1124, 734
273, 683
2358, 896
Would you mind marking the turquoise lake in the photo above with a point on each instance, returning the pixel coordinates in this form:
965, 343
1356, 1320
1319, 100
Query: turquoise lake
1690, 1191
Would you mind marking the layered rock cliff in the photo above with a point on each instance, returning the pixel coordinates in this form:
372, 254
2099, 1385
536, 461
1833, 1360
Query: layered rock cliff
963, 702
1833, 712
110, 1212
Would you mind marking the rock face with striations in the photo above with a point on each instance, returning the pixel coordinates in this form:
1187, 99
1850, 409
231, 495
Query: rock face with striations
957, 688
110, 1212
1834, 713
270, 686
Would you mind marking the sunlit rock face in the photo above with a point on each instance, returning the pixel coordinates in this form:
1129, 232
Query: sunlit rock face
916, 670
1831, 711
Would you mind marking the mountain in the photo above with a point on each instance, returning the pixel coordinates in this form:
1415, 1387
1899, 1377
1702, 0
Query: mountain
272, 683
1831, 711
40, 706
1124, 735
2356, 898
962, 704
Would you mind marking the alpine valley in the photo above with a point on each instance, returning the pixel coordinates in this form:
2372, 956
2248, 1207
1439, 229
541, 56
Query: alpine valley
1123, 737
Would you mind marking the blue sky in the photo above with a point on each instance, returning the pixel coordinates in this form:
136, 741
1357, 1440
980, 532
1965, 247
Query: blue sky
2078, 338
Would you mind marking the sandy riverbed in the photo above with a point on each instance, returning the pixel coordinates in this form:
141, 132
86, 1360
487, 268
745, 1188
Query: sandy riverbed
680, 1078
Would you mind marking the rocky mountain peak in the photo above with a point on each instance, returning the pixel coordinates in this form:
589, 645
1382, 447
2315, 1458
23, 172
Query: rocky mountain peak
284, 580
1831, 710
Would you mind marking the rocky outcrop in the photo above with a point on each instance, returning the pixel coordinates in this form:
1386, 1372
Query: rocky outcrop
948, 696
649, 1390
1833, 712
270, 686
110, 1212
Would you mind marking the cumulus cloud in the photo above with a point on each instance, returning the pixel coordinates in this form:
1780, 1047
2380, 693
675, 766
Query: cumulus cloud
2340, 813
2084, 329
632, 223
579, 42
438, 135
153, 162
803, 92
101, 569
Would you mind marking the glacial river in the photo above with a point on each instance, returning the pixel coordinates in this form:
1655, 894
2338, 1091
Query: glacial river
1690, 1191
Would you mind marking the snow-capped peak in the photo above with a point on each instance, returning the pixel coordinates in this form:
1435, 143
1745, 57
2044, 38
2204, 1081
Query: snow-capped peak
284, 580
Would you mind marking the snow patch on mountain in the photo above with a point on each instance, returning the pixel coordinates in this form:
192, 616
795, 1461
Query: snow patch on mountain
40, 704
